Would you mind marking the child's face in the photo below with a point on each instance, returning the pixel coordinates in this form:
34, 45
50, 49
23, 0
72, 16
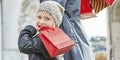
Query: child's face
44, 20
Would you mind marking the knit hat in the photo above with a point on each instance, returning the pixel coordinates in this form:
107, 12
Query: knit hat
54, 9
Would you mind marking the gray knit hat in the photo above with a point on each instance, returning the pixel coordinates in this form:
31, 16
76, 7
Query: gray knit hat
54, 9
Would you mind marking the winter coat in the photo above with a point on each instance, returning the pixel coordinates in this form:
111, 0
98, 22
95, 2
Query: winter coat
72, 26
30, 43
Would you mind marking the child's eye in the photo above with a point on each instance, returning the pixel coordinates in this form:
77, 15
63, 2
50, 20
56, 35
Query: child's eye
39, 17
47, 19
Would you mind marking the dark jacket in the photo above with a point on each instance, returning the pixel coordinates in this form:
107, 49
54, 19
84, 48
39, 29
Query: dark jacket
30, 43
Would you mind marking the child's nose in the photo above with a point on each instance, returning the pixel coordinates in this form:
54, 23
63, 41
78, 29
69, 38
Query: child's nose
42, 21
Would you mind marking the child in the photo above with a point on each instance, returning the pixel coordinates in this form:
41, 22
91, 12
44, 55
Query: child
50, 15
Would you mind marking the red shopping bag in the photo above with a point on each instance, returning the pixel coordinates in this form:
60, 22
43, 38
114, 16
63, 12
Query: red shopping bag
99, 5
86, 10
56, 41
110, 2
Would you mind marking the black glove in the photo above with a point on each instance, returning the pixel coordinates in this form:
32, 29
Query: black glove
31, 29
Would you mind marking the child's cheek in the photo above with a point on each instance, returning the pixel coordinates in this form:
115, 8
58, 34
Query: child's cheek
53, 25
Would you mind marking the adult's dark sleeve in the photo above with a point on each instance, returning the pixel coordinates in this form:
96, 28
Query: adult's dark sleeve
62, 2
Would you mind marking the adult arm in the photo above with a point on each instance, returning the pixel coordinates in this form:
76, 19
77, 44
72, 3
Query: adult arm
62, 2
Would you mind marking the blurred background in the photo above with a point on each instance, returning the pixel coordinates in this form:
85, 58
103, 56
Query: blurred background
103, 31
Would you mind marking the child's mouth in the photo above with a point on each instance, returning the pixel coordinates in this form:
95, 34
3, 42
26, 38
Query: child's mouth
42, 28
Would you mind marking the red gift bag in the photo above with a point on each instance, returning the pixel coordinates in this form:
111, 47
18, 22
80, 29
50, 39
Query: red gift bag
85, 7
86, 10
56, 41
